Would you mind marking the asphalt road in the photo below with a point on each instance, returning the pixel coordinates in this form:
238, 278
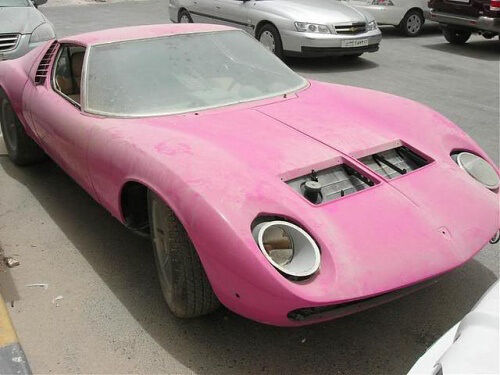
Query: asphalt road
111, 317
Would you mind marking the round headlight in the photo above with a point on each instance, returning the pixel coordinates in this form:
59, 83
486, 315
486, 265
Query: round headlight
288, 248
479, 169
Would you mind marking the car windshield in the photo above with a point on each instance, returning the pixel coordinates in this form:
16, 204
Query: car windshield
14, 3
183, 73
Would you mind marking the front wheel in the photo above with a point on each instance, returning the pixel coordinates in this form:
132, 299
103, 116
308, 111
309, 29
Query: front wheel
183, 281
456, 36
412, 23
270, 37
21, 148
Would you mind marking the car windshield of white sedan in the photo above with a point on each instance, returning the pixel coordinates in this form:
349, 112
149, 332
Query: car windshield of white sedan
183, 73
13, 3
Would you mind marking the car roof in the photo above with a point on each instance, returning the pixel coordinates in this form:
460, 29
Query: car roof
141, 32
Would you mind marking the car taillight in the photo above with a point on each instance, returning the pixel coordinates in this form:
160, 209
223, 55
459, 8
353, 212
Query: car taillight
495, 5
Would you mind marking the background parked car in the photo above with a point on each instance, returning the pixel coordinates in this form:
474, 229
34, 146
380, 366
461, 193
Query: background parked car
460, 18
289, 27
407, 15
22, 27
470, 346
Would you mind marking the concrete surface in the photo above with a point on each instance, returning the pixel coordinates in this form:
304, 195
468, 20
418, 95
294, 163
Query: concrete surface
112, 319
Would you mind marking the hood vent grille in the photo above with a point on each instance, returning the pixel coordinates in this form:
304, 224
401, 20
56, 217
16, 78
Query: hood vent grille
43, 68
394, 162
330, 184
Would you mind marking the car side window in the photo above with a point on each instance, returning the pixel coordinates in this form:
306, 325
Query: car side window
68, 73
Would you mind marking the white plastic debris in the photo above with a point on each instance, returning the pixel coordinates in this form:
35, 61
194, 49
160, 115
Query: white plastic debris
11, 262
40, 285
55, 300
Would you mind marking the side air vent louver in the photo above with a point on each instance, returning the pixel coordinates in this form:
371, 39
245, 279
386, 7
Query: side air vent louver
330, 184
394, 162
43, 67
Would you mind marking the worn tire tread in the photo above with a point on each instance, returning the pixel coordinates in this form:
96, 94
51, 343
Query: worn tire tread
199, 298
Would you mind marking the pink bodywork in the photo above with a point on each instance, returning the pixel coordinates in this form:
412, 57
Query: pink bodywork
220, 169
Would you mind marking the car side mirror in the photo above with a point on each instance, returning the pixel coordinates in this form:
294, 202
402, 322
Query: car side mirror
36, 3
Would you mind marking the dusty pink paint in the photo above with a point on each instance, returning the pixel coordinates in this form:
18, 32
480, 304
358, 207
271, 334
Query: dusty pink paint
219, 169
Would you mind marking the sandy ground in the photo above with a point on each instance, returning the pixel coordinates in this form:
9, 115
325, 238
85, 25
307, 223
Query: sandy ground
112, 319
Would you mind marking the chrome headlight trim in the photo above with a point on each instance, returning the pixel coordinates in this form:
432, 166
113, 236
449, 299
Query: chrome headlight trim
478, 168
308, 27
306, 256
372, 25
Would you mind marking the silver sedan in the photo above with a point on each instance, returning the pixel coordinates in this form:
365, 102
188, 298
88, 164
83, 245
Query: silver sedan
289, 27
22, 27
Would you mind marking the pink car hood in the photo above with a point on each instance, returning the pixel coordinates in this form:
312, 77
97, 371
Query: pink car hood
234, 160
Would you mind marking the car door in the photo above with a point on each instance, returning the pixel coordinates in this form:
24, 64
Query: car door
234, 13
202, 11
55, 112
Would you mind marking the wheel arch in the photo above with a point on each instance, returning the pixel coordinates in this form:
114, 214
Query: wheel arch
415, 8
16, 105
137, 188
179, 12
133, 205
261, 24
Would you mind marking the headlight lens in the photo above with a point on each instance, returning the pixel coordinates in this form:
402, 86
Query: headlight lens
288, 248
477, 168
372, 25
312, 28
42, 33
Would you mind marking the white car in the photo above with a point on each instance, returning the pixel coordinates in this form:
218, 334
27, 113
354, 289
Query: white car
469, 347
407, 15
289, 27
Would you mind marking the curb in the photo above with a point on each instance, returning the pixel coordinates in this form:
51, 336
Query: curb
12, 357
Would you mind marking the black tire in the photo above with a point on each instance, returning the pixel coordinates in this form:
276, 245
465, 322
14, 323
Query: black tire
412, 23
270, 30
183, 281
21, 148
456, 36
183, 16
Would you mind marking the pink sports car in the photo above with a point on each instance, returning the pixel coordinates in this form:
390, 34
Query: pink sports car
288, 201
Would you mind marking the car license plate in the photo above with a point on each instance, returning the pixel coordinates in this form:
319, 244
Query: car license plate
354, 43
